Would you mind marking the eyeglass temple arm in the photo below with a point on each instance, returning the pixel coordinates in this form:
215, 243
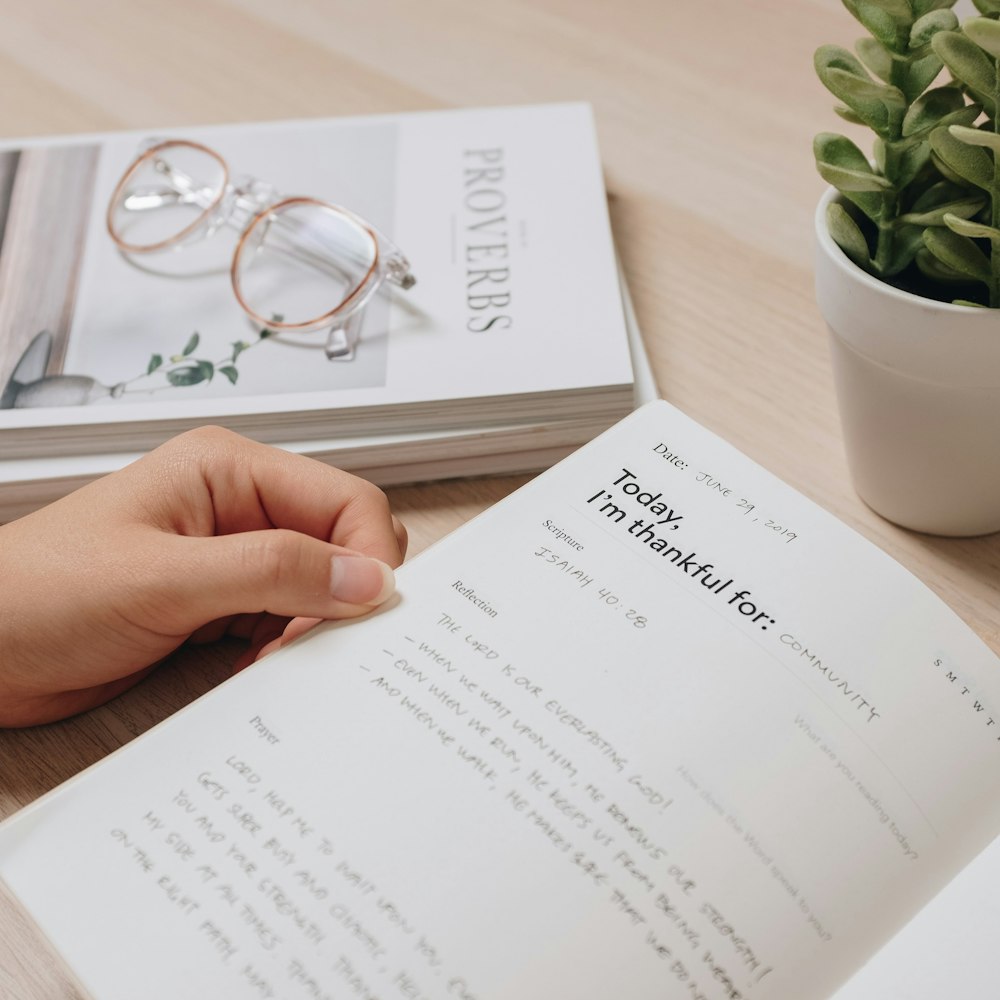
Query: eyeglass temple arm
397, 270
147, 199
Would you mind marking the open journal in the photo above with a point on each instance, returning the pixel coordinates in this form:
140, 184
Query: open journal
655, 726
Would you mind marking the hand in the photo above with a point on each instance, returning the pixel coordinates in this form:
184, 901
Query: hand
207, 535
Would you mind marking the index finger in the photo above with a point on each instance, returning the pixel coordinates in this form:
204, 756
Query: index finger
233, 484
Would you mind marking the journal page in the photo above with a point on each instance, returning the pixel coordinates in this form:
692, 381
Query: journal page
655, 726
948, 949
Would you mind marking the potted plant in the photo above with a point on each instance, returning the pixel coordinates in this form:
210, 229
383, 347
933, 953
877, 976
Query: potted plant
908, 261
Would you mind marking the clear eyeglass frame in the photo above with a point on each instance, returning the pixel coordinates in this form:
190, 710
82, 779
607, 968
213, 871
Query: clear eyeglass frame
314, 237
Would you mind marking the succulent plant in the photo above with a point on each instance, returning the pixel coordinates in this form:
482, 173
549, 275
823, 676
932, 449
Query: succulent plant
924, 211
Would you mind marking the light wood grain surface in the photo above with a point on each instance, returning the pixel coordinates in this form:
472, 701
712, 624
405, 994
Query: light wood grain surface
705, 113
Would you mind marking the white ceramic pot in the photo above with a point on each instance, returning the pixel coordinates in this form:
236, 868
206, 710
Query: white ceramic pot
918, 385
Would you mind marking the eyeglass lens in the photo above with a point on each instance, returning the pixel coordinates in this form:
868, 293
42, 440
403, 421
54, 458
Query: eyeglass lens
301, 260
167, 194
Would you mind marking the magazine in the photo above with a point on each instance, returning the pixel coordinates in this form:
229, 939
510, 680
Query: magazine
393, 459
308, 280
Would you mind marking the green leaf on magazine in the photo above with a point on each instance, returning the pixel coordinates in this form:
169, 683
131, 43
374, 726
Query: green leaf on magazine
188, 375
191, 345
154, 362
239, 346
201, 371
230, 372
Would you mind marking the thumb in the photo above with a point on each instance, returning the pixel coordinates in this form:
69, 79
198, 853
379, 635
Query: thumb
275, 570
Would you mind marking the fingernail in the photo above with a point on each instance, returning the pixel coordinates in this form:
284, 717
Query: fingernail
360, 580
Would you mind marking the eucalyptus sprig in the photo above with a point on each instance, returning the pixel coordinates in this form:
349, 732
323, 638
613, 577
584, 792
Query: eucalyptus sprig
889, 201
184, 369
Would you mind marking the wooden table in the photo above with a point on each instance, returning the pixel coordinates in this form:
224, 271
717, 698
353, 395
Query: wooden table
706, 115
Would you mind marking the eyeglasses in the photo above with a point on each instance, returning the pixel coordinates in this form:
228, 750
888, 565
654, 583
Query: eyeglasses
300, 264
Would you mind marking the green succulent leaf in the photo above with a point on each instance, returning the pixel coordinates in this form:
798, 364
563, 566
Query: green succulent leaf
847, 235
932, 268
970, 163
969, 64
922, 7
963, 208
881, 24
974, 230
968, 302
928, 109
899, 10
853, 181
154, 362
987, 6
879, 154
879, 106
985, 32
838, 150
843, 165
958, 253
920, 74
941, 193
906, 244
929, 24
230, 372
976, 137
911, 162
869, 203
848, 115
964, 116
876, 57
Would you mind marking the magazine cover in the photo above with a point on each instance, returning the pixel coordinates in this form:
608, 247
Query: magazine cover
273, 276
